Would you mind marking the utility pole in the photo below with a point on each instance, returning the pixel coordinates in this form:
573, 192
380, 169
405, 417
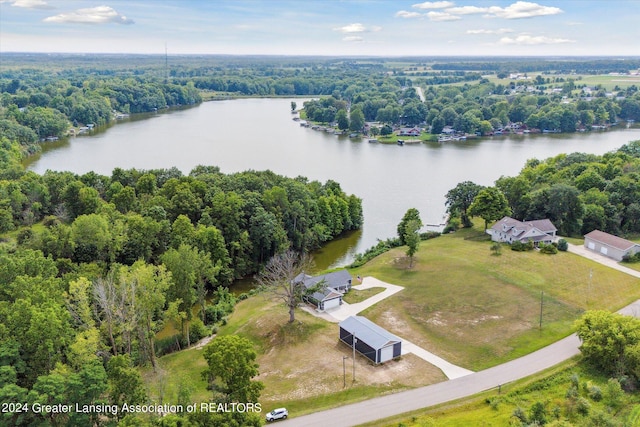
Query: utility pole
541, 302
354, 358
344, 371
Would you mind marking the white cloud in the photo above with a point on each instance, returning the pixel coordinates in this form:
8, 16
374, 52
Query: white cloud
529, 40
434, 5
442, 16
466, 10
498, 31
94, 15
352, 28
522, 9
406, 14
29, 4
356, 28
353, 39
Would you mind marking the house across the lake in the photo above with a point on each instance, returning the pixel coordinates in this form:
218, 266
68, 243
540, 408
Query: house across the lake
609, 245
327, 288
372, 341
510, 230
415, 131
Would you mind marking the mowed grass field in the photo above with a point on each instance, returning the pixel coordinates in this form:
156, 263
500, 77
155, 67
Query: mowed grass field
608, 82
477, 310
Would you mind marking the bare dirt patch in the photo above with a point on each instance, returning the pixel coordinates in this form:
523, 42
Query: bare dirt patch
287, 378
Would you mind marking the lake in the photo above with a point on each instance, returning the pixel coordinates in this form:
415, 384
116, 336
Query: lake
259, 134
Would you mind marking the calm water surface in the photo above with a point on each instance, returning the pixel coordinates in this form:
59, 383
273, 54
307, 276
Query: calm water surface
260, 134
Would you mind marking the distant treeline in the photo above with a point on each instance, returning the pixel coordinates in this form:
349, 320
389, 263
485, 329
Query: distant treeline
527, 65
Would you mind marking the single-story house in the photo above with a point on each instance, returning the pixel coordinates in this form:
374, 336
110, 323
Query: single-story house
510, 230
609, 245
372, 341
328, 288
409, 131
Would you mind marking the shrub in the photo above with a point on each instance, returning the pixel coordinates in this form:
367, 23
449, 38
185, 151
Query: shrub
583, 406
522, 247
496, 249
563, 245
197, 330
452, 225
548, 249
595, 393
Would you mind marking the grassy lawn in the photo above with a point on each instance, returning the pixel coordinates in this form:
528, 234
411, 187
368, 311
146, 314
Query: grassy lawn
355, 295
494, 408
478, 310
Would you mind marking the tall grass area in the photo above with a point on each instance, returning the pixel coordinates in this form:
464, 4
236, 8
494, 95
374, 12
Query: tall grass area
477, 309
571, 395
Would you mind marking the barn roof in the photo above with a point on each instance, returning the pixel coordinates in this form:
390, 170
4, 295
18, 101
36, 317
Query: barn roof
367, 331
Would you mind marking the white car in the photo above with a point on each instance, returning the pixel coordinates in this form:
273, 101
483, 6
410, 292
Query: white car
277, 414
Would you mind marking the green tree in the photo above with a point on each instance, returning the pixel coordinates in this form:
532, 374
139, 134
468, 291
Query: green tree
356, 119
458, 200
146, 285
412, 214
124, 383
190, 271
231, 365
342, 119
607, 340
412, 239
490, 205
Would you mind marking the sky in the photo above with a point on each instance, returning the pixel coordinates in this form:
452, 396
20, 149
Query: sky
323, 27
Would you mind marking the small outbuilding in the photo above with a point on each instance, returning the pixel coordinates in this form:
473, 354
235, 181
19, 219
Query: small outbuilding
609, 245
373, 342
325, 291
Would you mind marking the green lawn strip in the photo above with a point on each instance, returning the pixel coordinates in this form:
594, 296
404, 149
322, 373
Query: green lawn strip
496, 408
477, 310
357, 295
177, 370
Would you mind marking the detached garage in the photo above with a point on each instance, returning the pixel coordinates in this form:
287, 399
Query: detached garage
609, 245
372, 341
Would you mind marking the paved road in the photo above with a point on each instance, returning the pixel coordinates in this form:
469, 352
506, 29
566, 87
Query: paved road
411, 400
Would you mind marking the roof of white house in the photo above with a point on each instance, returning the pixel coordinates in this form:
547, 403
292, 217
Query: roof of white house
525, 230
365, 330
331, 280
610, 240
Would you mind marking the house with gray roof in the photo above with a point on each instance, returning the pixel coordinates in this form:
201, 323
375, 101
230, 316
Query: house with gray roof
609, 245
509, 230
326, 290
373, 342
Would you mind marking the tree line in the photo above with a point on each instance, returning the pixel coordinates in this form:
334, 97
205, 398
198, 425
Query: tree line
578, 192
